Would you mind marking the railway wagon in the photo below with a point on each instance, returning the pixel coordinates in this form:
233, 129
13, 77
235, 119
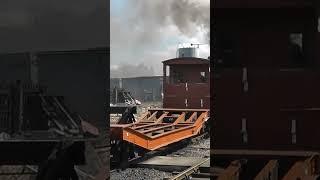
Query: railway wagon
265, 82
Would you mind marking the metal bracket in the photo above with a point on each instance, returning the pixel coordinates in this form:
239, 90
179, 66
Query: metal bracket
245, 79
244, 130
293, 132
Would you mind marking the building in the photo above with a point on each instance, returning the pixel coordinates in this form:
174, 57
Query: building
144, 89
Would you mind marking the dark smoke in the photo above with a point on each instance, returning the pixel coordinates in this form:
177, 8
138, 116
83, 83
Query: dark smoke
53, 24
186, 15
140, 35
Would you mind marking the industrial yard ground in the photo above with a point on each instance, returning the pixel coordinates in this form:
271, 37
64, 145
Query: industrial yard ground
199, 148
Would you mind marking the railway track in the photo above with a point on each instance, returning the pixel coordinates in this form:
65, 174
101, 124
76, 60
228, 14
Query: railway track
180, 153
193, 172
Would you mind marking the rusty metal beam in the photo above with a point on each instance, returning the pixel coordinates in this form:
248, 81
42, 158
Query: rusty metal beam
153, 117
144, 117
138, 126
159, 120
192, 117
269, 171
156, 129
181, 118
304, 169
231, 172
179, 110
157, 141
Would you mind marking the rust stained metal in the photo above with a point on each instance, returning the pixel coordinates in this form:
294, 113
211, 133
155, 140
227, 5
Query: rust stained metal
192, 117
153, 117
144, 117
270, 171
304, 169
231, 172
159, 120
158, 134
176, 110
180, 119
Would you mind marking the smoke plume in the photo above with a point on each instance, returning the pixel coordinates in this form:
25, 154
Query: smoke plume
142, 34
186, 15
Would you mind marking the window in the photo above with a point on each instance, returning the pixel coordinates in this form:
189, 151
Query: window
177, 77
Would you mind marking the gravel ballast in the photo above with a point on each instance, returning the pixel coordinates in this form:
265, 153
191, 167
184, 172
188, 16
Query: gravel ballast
139, 174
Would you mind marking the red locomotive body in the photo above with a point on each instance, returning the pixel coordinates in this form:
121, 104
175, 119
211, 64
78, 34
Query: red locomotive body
265, 80
186, 85
266, 77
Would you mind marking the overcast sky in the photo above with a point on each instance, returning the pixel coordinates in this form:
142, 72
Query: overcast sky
145, 32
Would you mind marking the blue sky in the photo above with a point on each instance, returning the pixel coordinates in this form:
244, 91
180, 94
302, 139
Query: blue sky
117, 6
141, 34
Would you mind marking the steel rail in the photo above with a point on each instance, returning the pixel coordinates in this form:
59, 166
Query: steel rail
188, 172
